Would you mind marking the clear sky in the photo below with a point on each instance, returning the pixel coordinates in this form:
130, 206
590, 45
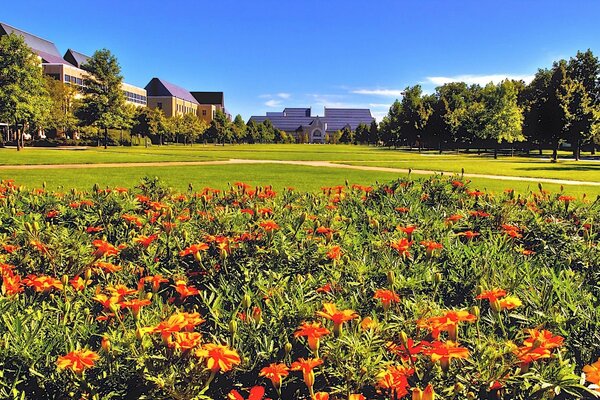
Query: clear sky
269, 54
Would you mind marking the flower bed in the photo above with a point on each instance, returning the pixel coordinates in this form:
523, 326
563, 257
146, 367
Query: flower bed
411, 289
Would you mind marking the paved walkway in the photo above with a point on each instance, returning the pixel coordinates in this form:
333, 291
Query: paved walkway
322, 164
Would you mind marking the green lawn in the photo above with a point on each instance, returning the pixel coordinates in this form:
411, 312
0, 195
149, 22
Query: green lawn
304, 178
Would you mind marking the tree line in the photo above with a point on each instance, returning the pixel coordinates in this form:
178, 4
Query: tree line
560, 105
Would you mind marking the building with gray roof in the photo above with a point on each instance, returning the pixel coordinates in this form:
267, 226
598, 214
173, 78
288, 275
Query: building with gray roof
299, 121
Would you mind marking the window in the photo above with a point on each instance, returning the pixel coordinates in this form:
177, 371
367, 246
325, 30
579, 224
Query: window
67, 78
159, 106
204, 113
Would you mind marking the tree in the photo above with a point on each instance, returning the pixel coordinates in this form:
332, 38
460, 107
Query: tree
266, 131
362, 133
23, 96
502, 117
192, 127
414, 115
373, 133
555, 107
390, 125
103, 102
535, 107
220, 129
580, 115
347, 135
238, 129
61, 114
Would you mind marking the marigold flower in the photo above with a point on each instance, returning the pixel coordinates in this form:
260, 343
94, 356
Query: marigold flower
406, 352
275, 373
338, 317
444, 352
156, 280
452, 219
543, 338
321, 396
592, 373
43, 283
395, 380
256, 393
135, 305
427, 394
334, 253
469, 234
107, 302
77, 361
491, 295
166, 328
269, 226
145, 241
78, 283
104, 248
368, 323
313, 332
11, 284
194, 250
431, 246
218, 357
510, 302
446, 323
184, 290
356, 396
402, 246
307, 366
387, 297
185, 341
107, 267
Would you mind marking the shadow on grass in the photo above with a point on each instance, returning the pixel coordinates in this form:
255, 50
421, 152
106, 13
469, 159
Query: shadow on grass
554, 167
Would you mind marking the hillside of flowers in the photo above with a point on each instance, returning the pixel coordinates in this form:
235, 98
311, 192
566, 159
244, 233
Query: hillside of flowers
405, 290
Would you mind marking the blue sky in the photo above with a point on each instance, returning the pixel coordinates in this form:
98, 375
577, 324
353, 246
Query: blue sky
269, 54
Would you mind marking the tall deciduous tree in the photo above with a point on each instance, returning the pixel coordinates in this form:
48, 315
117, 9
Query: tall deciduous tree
103, 102
23, 96
61, 116
238, 128
414, 115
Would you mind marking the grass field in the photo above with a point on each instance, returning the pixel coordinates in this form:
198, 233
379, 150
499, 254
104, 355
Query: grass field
301, 177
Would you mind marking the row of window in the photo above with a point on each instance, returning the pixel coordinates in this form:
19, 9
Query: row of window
74, 80
135, 98
183, 109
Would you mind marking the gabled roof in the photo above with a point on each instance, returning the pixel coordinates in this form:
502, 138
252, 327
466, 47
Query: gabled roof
42, 47
76, 58
160, 88
209, 98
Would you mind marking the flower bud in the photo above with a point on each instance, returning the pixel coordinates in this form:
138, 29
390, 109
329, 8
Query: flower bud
404, 338
246, 301
437, 278
105, 344
65, 281
233, 326
391, 277
458, 387
287, 348
475, 311
88, 274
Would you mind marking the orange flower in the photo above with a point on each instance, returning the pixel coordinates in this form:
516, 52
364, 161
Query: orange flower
184, 290
43, 283
430, 246
11, 284
256, 393
307, 366
446, 323
444, 352
186, 340
275, 372
334, 253
528, 354
338, 317
191, 320
321, 396
135, 305
402, 246
387, 297
107, 267
356, 396
368, 323
77, 361
218, 357
166, 328
406, 352
510, 302
469, 234
79, 283
452, 219
592, 373
104, 248
395, 380
194, 250
156, 280
427, 394
313, 331
145, 241
408, 230
107, 302
269, 226
543, 338
492, 295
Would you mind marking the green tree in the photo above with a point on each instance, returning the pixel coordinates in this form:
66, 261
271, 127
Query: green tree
220, 129
414, 115
24, 100
581, 116
556, 106
373, 133
238, 129
61, 114
362, 133
502, 118
103, 102
193, 127
535, 109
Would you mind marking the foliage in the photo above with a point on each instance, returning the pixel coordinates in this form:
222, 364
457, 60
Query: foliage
256, 264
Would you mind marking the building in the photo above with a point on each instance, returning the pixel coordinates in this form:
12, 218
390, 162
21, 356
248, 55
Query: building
68, 68
171, 99
209, 103
300, 121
